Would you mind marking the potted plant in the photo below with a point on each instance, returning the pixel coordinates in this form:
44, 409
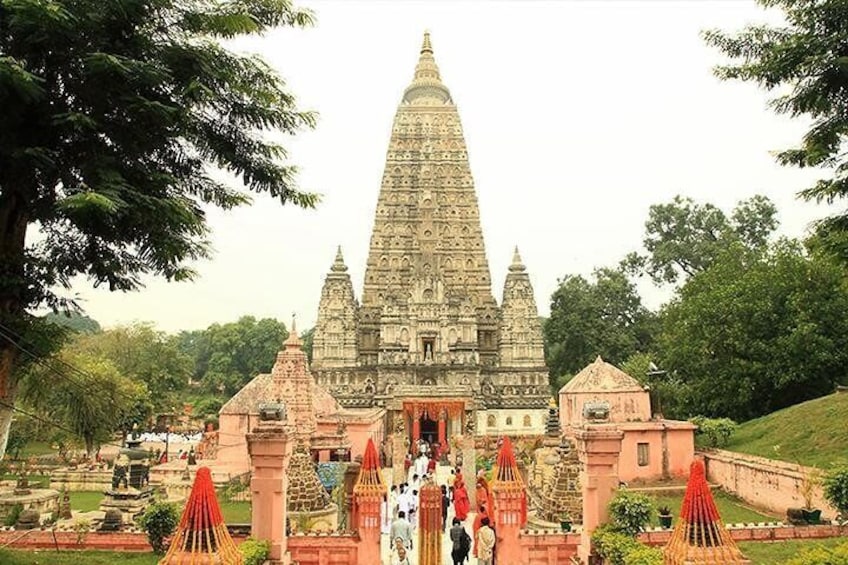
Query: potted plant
565, 522
810, 479
665, 516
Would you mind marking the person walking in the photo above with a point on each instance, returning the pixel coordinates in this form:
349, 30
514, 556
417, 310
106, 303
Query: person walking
460, 542
445, 506
485, 544
401, 530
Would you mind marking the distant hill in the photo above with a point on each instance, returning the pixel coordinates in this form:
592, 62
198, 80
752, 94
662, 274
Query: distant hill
812, 433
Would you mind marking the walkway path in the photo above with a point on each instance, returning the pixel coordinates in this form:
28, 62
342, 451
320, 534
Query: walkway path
442, 474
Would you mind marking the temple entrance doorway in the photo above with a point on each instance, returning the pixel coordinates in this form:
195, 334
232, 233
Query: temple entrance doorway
429, 429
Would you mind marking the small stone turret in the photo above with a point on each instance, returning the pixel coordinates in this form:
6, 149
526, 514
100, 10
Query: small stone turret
521, 343
334, 343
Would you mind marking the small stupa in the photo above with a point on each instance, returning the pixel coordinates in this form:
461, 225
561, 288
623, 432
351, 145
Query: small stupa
202, 537
306, 493
700, 538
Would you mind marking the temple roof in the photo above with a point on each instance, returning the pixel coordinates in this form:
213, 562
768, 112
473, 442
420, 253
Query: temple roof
601, 376
260, 390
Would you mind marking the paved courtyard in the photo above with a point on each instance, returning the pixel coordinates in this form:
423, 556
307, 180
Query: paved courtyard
442, 474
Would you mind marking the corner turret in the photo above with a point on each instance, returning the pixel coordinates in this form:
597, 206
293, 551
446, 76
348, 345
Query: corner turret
334, 344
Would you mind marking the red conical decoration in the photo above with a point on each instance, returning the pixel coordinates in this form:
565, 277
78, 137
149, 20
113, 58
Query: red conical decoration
508, 480
370, 479
699, 536
202, 537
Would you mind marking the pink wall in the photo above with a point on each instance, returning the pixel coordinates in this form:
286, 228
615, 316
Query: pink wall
679, 442
771, 484
232, 445
624, 406
359, 432
324, 550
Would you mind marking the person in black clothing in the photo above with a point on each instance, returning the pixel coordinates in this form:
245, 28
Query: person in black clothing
461, 542
445, 505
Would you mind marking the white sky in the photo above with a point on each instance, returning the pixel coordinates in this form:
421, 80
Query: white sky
578, 116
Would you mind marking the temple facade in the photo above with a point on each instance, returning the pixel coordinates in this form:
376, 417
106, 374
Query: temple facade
427, 341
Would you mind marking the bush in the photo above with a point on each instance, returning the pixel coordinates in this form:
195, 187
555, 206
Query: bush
644, 555
612, 544
13, 515
254, 551
820, 555
631, 512
714, 432
836, 490
159, 521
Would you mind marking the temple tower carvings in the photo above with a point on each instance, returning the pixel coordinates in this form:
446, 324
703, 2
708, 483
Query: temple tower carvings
428, 324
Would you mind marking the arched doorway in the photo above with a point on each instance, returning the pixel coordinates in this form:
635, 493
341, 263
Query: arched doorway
429, 428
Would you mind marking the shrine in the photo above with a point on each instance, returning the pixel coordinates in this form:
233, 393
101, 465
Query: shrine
427, 342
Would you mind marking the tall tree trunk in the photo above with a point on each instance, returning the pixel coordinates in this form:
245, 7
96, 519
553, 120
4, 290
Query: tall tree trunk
13, 227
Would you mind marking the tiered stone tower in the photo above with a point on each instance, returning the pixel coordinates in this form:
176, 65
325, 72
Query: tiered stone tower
428, 327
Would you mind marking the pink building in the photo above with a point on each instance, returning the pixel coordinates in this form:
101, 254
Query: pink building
651, 448
315, 417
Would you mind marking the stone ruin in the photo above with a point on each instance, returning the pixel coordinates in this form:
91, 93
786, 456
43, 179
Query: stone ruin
563, 494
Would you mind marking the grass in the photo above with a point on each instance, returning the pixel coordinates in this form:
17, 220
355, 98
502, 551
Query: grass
35, 481
730, 508
47, 557
812, 433
234, 512
86, 501
774, 553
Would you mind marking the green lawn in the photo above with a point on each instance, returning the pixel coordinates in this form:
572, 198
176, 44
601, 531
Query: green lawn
45, 557
774, 553
86, 501
730, 508
39, 481
235, 512
812, 433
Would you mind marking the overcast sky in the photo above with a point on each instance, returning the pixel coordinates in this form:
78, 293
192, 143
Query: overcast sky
578, 116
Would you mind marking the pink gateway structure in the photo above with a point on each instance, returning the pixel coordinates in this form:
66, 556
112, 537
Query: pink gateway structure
652, 448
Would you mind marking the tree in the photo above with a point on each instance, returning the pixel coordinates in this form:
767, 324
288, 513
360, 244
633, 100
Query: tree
143, 354
227, 356
757, 331
307, 337
93, 401
114, 116
74, 321
683, 238
806, 59
602, 317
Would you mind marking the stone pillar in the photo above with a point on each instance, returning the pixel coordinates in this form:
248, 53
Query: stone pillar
399, 451
599, 447
443, 436
469, 468
507, 517
270, 451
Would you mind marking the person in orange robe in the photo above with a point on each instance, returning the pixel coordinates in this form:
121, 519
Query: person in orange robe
478, 522
461, 503
484, 493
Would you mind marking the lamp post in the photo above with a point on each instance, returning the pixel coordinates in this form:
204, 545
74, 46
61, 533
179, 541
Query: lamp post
167, 442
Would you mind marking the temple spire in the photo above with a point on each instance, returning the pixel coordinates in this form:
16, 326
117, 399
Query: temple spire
517, 265
339, 264
426, 47
293, 341
427, 88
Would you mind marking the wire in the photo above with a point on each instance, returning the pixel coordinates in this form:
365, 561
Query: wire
52, 423
40, 359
